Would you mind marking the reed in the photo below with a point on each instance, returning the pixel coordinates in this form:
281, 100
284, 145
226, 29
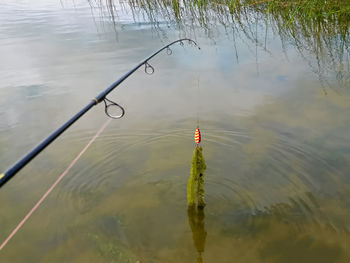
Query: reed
319, 29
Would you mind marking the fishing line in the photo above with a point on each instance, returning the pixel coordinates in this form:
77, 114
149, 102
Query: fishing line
35, 207
4, 177
195, 184
109, 105
197, 102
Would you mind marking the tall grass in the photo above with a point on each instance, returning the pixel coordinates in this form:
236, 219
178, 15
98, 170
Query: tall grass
317, 28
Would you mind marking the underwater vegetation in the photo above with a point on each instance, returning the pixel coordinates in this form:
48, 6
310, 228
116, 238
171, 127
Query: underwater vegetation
196, 220
195, 184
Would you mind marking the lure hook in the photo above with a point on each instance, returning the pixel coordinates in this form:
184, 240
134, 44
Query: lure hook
109, 104
148, 68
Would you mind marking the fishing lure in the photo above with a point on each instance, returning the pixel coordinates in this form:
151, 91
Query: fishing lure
197, 136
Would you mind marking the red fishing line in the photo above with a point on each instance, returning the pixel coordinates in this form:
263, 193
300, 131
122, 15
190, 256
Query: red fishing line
18, 227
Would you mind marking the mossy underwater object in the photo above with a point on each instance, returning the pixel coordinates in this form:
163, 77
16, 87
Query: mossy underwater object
195, 184
196, 220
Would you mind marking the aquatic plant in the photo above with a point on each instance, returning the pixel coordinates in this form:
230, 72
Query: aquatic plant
318, 29
196, 220
195, 184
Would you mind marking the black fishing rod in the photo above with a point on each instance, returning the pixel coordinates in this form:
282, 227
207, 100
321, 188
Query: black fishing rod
99, 98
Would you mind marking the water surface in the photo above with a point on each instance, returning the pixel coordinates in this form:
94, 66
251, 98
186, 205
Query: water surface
275, 129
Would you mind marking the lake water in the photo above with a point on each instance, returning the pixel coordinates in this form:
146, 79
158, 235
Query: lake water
274, 112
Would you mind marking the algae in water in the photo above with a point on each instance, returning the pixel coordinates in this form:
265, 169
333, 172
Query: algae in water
195, 185
196, 220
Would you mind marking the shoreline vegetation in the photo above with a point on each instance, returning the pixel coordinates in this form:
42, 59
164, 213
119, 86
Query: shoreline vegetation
318, 29
226, 12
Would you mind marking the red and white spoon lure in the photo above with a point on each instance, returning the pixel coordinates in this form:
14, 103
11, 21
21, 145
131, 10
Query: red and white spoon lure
197, 136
